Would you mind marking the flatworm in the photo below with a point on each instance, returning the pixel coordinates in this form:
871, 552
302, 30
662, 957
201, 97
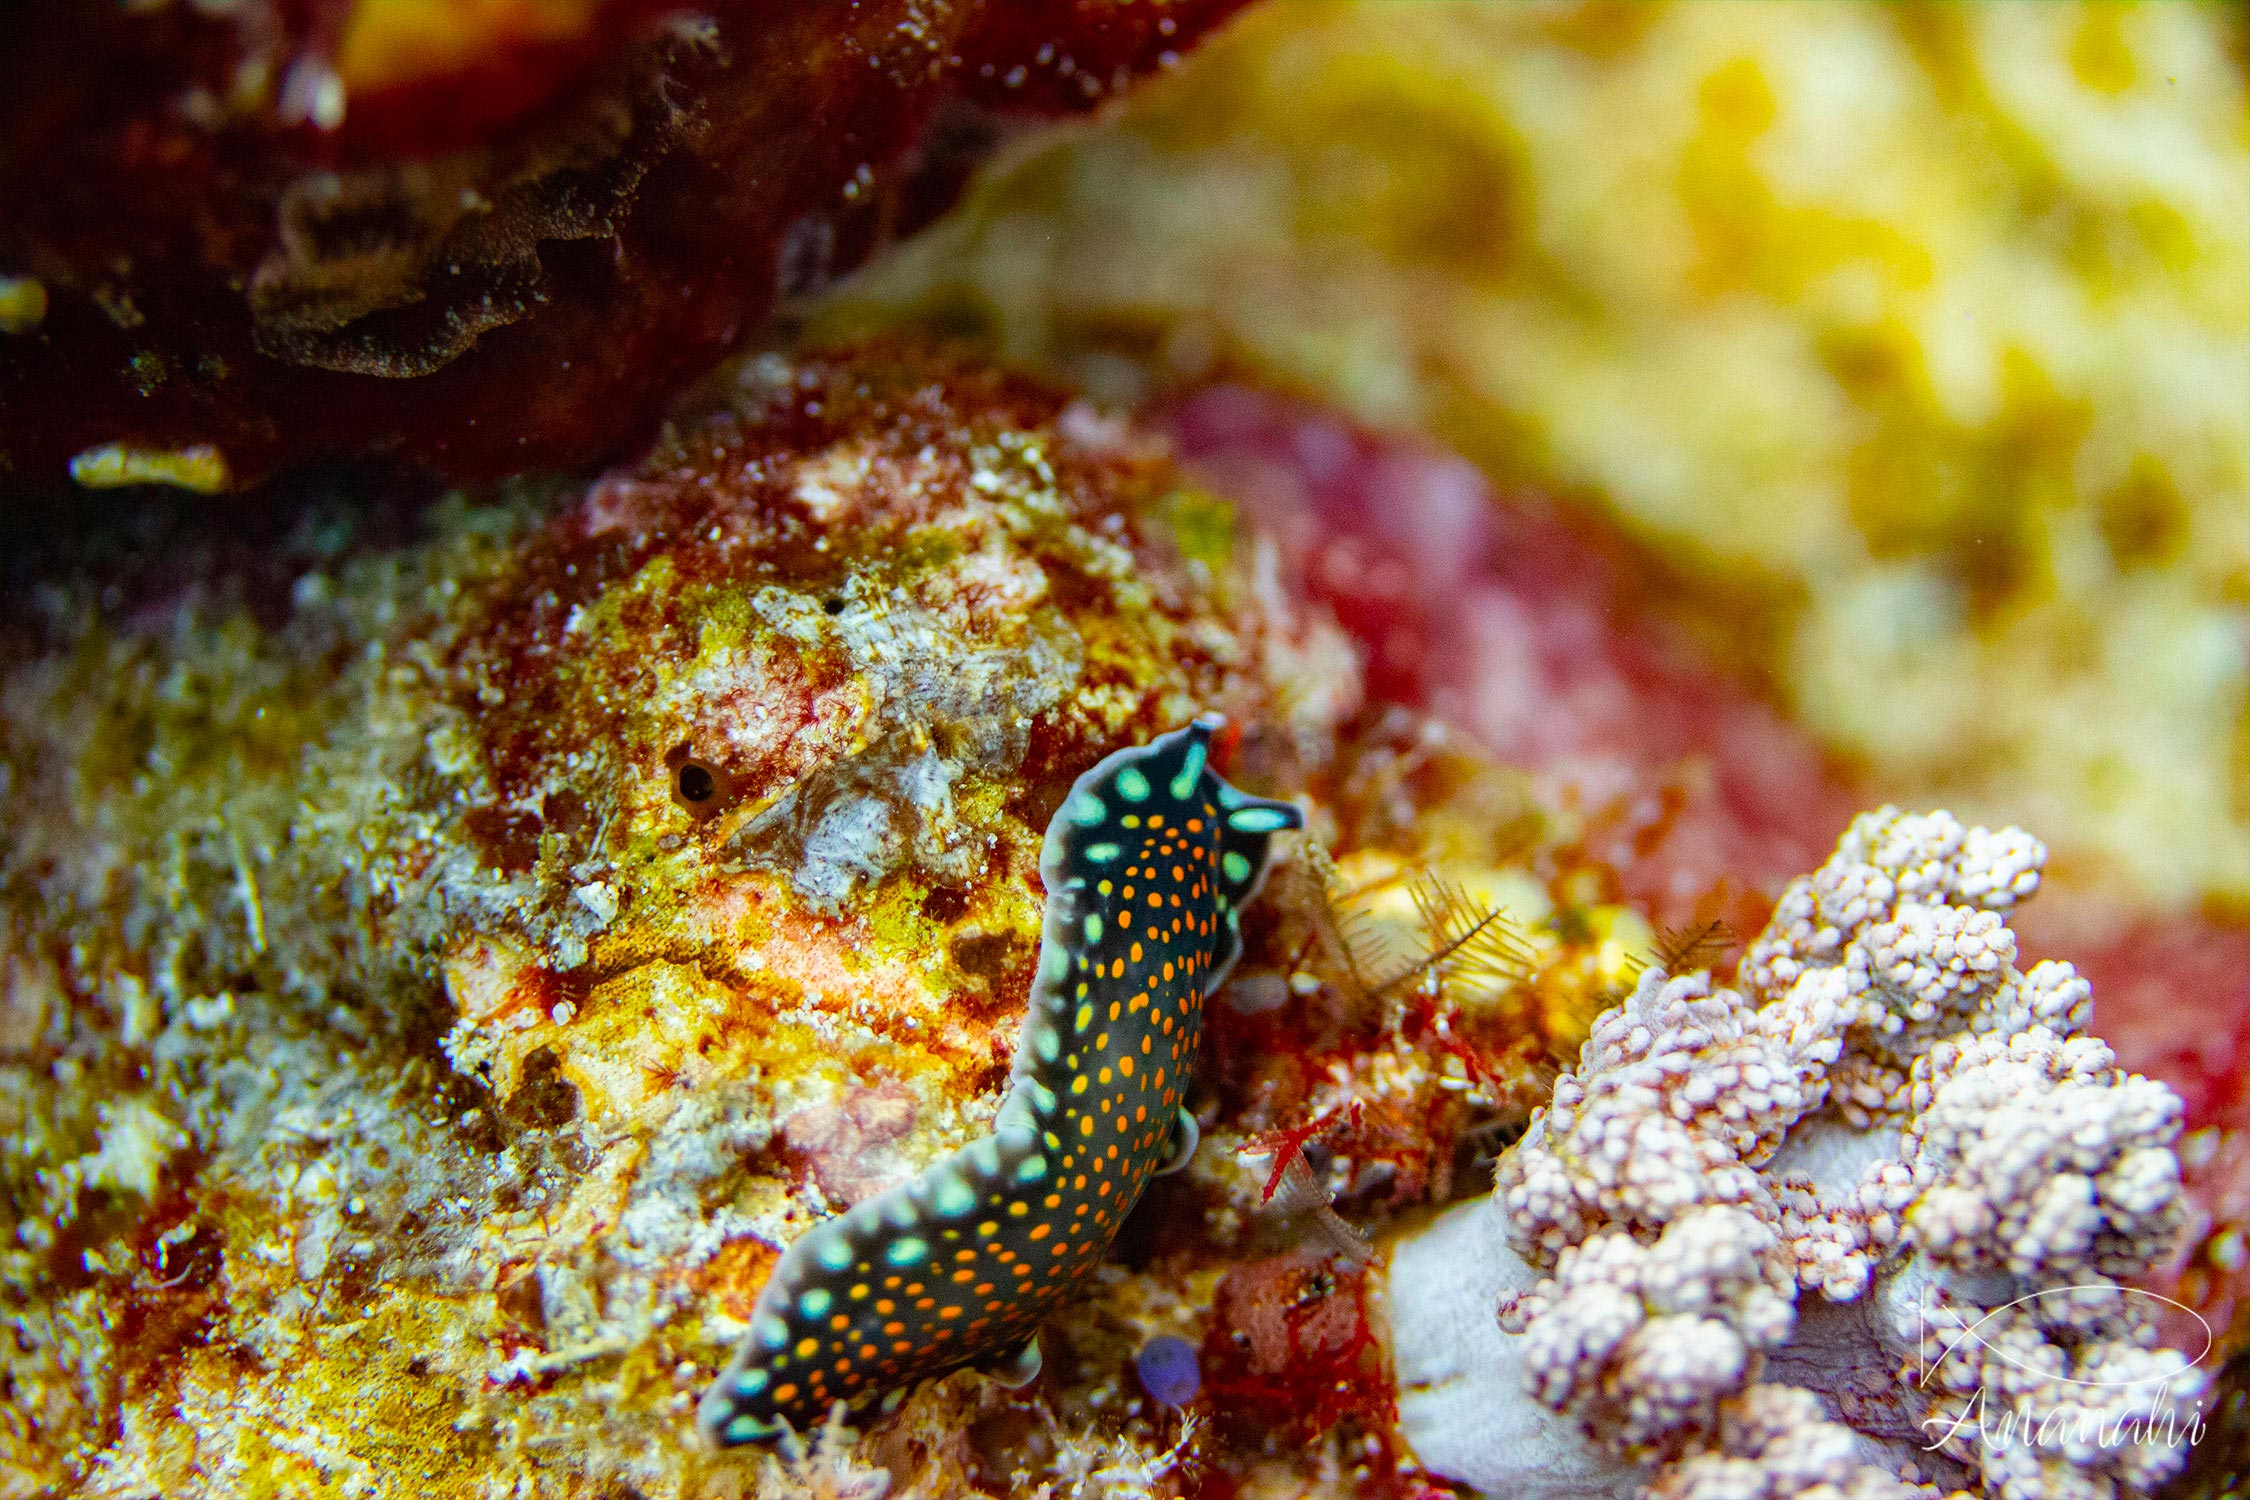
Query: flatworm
1147, 867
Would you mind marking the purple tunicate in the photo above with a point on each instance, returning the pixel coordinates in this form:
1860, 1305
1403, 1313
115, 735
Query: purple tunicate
1168, 1370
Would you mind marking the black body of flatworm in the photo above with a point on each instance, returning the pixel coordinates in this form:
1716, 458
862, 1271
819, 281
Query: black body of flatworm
1147, 867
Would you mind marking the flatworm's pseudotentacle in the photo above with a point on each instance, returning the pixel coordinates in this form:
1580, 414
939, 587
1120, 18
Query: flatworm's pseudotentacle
1147, 867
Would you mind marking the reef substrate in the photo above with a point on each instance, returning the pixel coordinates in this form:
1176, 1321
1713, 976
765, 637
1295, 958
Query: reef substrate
444, 962
474, 239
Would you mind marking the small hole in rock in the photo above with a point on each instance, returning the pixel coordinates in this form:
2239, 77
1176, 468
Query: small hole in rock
834, 604
698, 785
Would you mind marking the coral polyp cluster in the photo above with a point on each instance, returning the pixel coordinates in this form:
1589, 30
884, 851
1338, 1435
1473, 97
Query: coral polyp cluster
1888, 1116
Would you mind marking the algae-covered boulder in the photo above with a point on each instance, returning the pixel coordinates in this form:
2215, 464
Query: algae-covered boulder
431, 995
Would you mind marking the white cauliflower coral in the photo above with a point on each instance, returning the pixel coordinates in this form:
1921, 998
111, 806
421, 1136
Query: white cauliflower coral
2062, 1394
2036, 1156
1887, 1103
1775, 1443
1887, 860
1678, 1095
1907, 912
1643, 1340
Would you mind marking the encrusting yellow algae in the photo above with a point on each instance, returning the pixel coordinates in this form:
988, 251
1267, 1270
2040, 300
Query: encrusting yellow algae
199, 467
23, 303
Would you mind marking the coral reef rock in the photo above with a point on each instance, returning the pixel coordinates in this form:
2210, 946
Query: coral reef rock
481, 238
1866, 1224
428, 998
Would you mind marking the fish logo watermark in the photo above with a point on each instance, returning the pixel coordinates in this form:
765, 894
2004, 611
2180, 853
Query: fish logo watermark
2149, 1399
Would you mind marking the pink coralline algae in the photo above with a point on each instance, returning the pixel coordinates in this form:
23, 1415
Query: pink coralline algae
844, 1145
1539, 634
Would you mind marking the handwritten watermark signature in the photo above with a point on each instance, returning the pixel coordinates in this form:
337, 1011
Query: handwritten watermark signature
2149, 1397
